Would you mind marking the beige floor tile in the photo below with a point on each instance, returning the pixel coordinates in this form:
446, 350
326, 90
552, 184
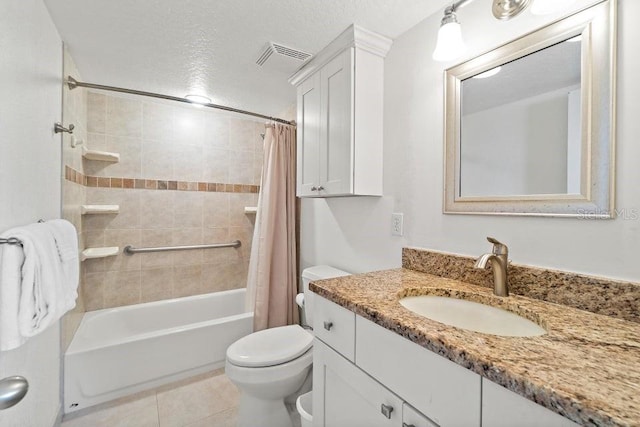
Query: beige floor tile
228, 418
138, 413
196, 401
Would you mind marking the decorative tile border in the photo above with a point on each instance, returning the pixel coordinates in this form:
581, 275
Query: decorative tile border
597, 295
73, 175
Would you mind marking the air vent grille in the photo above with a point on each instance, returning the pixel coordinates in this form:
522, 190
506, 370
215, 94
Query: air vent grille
284, 51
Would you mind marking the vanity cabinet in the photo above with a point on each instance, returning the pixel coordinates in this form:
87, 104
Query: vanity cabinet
339, 117
366, 375
500, 407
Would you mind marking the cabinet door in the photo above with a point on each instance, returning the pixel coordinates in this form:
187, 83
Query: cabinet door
344, 396
504, 408
336, 136
413, 418
308, 137
445, 392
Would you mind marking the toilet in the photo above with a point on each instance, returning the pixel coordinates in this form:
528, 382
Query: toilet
272, 365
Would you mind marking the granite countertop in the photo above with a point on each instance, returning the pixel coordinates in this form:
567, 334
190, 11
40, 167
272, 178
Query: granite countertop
586, 368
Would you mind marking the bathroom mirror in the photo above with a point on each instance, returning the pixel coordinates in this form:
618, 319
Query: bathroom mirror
529, 126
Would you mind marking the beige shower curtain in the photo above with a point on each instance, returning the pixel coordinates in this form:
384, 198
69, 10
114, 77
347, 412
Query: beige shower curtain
271, 283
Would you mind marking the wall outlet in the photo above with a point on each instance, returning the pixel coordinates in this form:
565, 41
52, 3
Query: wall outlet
397, 224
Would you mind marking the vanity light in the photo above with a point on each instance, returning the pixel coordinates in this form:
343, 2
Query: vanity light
198, 99
489, 73
546, 7
450, 45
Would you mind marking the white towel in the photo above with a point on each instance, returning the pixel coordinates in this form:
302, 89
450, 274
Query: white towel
38, 281
66, 240
11, 259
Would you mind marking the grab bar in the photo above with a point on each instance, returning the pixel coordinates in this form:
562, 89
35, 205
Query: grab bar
130, 250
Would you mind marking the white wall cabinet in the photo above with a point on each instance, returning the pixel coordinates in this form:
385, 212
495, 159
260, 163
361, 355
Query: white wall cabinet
391, 381
340, 105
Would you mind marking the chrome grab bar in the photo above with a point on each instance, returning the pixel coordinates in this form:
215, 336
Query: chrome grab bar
130, 250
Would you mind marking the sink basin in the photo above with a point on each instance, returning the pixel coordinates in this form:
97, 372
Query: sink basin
472, 316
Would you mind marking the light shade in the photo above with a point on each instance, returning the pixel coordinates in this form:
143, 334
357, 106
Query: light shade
546, 7
449, 44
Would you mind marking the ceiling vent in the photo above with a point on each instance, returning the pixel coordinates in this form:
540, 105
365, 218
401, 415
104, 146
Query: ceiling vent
282, 58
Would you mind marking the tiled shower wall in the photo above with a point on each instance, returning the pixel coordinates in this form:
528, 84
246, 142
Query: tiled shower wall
177, 150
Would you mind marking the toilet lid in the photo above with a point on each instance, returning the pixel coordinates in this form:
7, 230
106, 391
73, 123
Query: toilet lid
270, 347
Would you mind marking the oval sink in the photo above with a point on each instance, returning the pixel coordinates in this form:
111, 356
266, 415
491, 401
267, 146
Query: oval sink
472, 316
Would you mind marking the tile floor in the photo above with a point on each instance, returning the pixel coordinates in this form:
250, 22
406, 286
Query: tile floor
208, 400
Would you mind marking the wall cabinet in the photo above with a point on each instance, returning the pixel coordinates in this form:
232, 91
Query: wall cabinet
386, 380
340, 104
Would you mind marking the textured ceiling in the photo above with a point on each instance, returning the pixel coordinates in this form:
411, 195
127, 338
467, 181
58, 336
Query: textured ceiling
548, 70
178, 47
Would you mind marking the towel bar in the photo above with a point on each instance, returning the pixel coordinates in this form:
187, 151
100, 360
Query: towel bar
10, 241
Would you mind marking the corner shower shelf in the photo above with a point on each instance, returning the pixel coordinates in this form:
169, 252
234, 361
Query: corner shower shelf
251, 210
102, 156
99, 209
91, 253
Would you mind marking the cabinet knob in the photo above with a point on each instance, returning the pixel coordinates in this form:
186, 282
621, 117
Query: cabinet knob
320, 188
314, 189
386, 410
408, 425
328, 325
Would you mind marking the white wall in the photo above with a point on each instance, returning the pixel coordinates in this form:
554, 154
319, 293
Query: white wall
30, 176
354, 233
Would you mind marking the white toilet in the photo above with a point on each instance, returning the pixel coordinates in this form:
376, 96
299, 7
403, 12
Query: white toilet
274, 364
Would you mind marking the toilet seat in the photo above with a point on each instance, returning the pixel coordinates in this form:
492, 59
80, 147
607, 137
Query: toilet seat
270, 347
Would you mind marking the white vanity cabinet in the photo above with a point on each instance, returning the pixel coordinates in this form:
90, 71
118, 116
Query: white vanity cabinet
503, 408
349, 397
365, 375
346, 395
339, 117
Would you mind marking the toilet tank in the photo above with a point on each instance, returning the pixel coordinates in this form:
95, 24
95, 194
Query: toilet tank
318, 272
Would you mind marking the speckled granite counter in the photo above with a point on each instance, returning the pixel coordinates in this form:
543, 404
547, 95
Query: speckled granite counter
587, 368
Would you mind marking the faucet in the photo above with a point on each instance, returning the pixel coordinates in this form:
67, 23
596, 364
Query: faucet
499, 261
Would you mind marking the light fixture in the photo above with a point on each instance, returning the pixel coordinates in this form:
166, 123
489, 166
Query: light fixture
546, 7
198, 99
450, 44
488, 73
507, 9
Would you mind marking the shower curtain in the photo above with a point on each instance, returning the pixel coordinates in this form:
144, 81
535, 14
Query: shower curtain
271, 282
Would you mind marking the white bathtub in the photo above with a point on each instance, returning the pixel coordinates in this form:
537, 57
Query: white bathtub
123, 350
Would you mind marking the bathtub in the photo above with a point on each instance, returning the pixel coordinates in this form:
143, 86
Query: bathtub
123, 350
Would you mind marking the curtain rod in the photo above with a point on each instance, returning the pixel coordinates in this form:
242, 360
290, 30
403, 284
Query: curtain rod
73, 83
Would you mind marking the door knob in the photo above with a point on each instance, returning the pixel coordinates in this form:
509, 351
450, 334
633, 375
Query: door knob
12, 390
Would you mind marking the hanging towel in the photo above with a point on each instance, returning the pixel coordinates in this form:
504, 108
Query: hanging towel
38, 281
66, 240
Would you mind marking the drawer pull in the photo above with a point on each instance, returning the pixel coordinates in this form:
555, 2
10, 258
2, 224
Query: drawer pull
328, 325
408, 425
386, 410
314, 188
320, 188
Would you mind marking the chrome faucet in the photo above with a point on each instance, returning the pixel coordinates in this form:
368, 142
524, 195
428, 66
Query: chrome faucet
499, 261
